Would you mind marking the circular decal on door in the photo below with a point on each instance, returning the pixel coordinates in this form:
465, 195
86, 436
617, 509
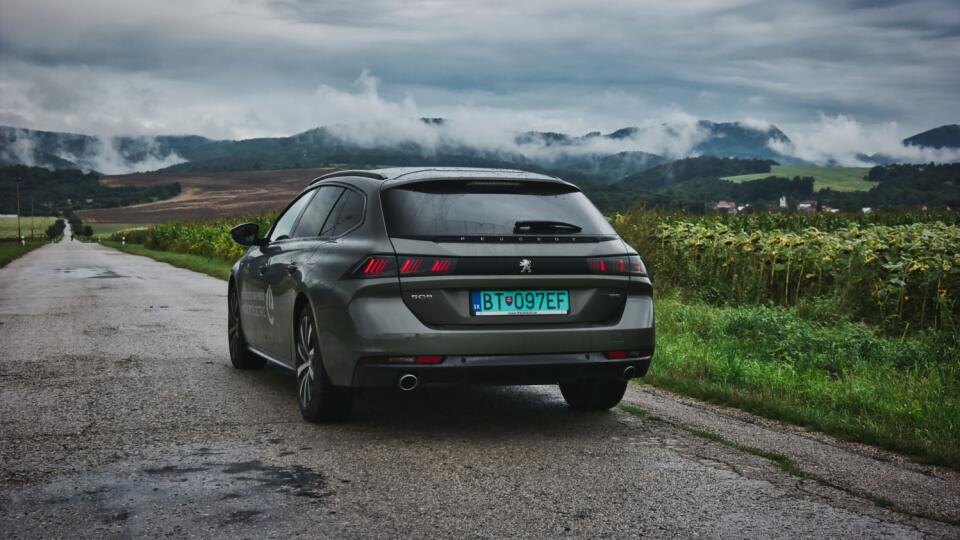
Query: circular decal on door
268, 304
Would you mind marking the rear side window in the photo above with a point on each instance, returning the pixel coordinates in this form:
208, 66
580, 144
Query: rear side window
317, 211
487, 208
347, 214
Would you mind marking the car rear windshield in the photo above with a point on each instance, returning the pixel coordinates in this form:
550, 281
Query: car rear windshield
444, 208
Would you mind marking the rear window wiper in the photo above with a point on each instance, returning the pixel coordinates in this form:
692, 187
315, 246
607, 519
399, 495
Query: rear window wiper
548, 226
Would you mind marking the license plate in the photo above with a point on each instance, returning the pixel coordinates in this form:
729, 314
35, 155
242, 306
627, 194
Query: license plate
522, 302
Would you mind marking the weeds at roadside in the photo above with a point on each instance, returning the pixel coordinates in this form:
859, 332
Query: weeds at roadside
12, 250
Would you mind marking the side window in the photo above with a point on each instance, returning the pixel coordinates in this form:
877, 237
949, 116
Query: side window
317, 211
346, 214
286, 220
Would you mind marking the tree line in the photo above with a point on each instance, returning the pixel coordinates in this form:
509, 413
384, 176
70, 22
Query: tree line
51, 191
692, 184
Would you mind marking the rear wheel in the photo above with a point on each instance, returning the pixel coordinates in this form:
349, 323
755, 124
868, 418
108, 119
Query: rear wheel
240, 355
593, 395
319, 400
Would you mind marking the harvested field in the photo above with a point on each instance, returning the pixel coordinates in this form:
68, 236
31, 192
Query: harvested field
206, 195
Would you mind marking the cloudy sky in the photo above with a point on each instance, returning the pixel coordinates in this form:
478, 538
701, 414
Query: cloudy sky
869, 69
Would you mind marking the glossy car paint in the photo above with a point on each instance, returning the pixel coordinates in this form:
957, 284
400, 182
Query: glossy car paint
429, 315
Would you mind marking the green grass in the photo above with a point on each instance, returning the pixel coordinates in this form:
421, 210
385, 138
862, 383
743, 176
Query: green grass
835, 376
11, 250
205, 265
835, 178
8, 226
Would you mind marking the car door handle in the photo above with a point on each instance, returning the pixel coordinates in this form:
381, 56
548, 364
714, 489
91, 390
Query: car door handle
291, 269
262, 269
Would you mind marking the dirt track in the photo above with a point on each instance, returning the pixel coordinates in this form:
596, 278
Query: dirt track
122, 417
206, 195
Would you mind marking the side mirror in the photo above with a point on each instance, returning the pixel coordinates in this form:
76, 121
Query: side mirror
246, 234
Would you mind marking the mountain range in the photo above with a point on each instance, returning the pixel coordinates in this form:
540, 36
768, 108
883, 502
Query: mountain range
595, 156
942, 137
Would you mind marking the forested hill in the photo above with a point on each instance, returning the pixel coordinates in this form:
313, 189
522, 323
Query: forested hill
904, 185
597, 157
59, 150
942, 137
682, 170
696, 183
51, 191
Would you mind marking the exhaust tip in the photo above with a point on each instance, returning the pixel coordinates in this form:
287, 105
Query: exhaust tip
407, 382
629, 372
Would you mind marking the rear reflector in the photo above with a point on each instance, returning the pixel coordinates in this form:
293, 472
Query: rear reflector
429, 359
620, 355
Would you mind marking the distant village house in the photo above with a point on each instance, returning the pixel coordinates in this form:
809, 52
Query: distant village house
725, 206
807, 206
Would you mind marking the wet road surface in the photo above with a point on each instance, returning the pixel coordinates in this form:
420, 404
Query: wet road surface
121, 417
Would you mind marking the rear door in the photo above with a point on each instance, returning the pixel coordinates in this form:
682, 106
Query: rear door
288, 262
534, 252
264, 286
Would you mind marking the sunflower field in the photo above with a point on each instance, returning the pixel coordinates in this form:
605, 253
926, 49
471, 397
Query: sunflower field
907, 275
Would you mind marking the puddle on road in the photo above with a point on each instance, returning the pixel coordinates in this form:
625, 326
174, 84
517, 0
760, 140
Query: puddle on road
209, 488
109, 274
90, 272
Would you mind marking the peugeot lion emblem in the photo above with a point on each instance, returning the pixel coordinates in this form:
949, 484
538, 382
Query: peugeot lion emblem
526, 266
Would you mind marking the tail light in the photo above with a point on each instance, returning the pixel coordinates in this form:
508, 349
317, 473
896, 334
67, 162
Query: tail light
619, 265
419, 266
388, 265
637, 268
376, 266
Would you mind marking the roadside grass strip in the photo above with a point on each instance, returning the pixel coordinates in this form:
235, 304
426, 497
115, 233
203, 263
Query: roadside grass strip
835, 376
12, 250
205, 265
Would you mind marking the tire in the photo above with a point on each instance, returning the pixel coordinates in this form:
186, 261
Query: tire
240, 355
593, 395
319, 400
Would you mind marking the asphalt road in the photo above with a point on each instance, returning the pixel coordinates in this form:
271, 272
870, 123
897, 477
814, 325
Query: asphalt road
121, 417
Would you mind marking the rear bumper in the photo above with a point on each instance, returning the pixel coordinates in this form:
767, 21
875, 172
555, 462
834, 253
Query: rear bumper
502, 370
383, 326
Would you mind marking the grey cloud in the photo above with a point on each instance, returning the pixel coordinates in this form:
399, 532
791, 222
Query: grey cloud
253, 67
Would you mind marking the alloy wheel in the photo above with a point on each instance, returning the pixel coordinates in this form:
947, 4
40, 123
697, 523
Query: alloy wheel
306, 354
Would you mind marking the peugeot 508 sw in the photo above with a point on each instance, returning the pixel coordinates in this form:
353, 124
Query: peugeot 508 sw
415, 277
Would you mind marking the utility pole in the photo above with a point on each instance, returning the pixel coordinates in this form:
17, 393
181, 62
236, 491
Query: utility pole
19, 234
31, 218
